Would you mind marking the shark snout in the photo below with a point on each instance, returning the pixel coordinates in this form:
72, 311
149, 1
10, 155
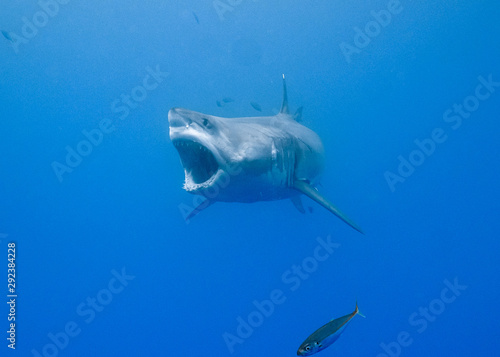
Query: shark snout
176, 119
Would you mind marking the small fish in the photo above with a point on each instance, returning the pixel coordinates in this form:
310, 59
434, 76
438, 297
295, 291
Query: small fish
256, 106
219, 104
196, 17
227, 100
7, 36
326, 335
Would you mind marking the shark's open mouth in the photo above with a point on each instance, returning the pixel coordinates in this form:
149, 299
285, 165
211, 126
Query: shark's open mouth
198, 161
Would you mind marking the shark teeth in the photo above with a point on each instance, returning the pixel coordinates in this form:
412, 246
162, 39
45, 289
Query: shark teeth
200, 165
190, 186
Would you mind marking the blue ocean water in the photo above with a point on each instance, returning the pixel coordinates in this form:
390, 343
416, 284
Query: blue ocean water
406, 98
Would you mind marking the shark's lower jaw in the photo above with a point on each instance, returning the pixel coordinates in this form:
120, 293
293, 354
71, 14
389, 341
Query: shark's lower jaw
200, 188
200, 166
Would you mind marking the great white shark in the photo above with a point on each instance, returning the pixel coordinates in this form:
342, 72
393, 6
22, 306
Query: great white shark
249, 159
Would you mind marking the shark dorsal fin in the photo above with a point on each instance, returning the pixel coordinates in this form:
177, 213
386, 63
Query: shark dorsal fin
284, 105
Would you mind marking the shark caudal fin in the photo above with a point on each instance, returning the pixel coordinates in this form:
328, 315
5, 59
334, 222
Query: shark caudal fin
312, 193
284, 105
298, 115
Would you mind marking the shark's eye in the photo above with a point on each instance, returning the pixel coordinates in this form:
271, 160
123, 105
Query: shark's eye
206, 123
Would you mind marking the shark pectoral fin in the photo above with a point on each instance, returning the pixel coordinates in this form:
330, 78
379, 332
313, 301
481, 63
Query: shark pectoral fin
312, 193
199, 208
297, 202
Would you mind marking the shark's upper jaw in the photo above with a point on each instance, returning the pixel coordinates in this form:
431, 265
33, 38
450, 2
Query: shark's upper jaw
200, 165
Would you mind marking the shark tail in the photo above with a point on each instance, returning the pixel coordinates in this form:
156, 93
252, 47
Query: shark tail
312, 193
298, 115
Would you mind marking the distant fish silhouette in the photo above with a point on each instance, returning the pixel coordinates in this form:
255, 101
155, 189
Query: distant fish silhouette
227, 100
7, 36
256, 106
196, 18
326, 335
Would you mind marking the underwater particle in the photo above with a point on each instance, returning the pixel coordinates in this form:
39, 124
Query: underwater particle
326, 335
256, 106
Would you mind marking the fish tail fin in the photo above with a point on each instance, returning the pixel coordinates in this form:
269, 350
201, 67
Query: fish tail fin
357, 312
